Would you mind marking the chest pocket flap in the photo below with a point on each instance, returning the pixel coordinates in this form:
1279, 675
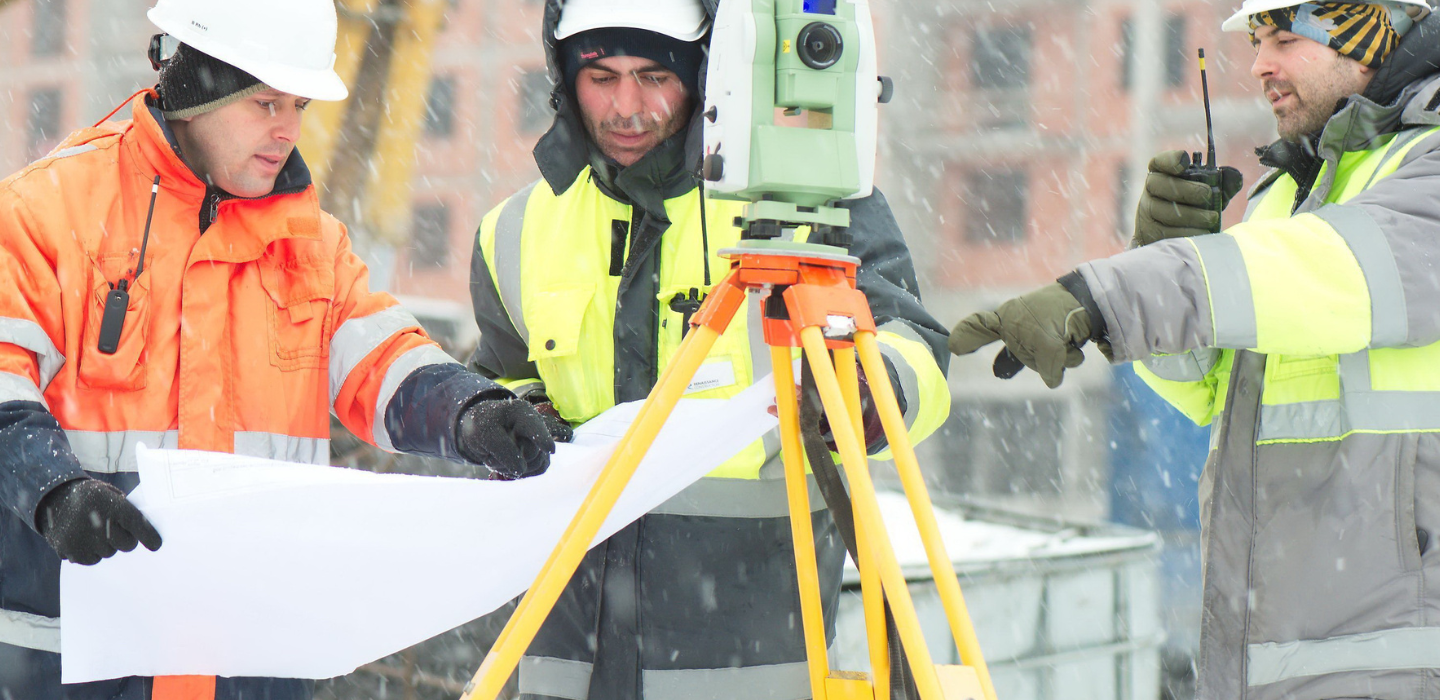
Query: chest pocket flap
301, 290
554, 318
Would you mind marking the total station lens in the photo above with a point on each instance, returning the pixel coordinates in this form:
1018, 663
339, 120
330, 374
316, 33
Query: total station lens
820, 45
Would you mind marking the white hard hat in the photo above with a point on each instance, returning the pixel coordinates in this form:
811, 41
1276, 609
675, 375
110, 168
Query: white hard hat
1240, 21
685, 20
287, 44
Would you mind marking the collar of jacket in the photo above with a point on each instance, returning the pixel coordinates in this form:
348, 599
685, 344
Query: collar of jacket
293, 200
1401, 94
656, 177
564, 151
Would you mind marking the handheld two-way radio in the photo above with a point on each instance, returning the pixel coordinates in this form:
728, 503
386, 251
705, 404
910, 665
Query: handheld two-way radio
117, 302
1209, 172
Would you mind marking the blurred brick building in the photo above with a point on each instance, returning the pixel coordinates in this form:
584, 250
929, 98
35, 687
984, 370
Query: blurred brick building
1009, 155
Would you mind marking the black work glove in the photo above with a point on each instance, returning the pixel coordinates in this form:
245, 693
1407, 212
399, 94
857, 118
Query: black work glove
87, 520
1173, 207
874, 430
506, 435
1043, 329
554, 422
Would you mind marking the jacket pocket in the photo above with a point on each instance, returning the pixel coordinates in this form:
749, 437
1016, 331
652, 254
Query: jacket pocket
555, 319
123, 370
298, 316
1407, 535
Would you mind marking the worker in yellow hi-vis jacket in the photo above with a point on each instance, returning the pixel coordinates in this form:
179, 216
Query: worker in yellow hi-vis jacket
583, 283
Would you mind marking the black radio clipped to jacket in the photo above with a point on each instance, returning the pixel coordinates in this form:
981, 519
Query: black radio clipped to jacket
117, 302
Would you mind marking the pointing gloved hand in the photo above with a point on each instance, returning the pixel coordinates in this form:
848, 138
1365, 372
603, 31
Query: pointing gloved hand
1173, 207
87, 520
506, 435
1043, 329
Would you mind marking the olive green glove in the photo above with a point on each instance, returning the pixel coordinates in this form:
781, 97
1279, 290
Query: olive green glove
1174, 207
1043, 329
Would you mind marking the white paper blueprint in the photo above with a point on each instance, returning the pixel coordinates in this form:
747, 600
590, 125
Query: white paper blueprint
303, 571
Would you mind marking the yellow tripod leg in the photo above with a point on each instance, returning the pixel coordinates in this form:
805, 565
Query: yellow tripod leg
872, 596
796, 487
490, 678
908, 468
867, 513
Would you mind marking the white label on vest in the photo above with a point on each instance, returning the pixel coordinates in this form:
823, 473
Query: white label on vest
715, 374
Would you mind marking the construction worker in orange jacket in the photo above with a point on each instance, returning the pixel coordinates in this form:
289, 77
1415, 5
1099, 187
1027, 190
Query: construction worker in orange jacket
171, 280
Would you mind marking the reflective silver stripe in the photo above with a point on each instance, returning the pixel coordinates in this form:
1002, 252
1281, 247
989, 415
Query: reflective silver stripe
737, 498
774, 682
1232, 306
1361, 408
14, 387
1388, 323
508, 227
1409, 647
1309, 420
287, 448
1393, 410
1399, 143
29, 335
909, 389
1370, 411
1186, 367
114, 452
1354, 371
559, 678
401, 368
30, 631
358, 337
72, 151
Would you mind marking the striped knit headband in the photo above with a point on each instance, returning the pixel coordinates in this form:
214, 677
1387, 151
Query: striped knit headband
1361, 31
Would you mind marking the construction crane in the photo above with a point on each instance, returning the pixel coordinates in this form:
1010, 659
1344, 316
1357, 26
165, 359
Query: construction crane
361, 151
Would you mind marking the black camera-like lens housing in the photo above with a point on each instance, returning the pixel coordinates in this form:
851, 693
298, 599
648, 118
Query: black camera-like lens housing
820, 45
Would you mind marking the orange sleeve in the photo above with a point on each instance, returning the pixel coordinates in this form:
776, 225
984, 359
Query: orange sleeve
376, 344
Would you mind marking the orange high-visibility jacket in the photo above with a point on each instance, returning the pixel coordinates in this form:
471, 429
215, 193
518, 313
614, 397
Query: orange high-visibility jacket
249, 323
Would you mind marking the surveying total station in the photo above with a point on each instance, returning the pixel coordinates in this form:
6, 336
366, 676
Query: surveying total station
791, 111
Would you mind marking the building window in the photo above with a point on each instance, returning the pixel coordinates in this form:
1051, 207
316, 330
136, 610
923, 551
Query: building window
1000, 76
1177, 62
998, 211
1000, 59
535, 113
42, 124
430, 236
47, 37
440, 107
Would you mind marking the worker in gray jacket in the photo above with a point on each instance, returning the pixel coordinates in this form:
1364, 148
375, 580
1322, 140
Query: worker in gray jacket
1308, 337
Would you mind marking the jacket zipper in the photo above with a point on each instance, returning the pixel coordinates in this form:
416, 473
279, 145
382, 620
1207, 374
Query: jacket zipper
210, 205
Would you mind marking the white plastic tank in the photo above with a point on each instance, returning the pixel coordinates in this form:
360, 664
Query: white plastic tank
1063, 611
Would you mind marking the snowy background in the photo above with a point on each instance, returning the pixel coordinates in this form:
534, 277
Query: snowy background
1009, 155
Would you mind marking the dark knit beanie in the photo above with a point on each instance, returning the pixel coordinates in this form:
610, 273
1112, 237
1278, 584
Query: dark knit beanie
681, 57
193, 83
